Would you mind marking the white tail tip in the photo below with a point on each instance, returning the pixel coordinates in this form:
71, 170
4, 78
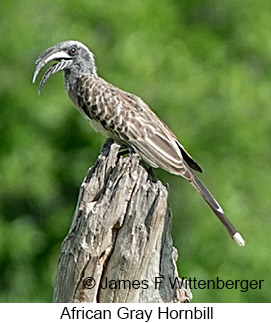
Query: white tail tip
239, 239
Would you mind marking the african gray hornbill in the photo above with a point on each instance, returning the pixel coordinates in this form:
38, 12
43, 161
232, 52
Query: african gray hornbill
124, 117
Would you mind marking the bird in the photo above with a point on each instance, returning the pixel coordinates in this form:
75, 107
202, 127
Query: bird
124, 117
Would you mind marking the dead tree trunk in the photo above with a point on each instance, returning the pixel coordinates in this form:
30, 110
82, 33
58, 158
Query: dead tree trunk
119, 247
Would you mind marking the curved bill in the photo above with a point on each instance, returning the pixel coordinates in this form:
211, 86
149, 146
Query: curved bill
51, 54
52, 70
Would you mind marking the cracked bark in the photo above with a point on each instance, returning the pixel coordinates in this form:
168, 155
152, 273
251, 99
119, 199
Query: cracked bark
120, 237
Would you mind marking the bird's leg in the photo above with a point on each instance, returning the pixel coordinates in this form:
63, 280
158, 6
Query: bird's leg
148, 168
124, 151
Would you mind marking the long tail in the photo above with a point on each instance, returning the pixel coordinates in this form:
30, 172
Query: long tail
217, 209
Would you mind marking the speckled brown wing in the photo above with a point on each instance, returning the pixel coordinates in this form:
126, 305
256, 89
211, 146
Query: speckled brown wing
127, 119
123, 117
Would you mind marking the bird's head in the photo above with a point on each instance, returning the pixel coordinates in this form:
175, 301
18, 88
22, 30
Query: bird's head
70, 56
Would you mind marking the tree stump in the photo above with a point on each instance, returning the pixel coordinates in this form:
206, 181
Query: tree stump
119, 245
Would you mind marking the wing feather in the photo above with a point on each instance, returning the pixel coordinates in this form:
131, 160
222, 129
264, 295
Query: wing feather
128, 117
153, 139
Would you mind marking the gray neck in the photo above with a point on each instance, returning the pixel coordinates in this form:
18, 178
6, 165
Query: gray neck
71, 77
78, 70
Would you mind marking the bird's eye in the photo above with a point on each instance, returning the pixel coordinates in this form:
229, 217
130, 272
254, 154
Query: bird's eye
73, 51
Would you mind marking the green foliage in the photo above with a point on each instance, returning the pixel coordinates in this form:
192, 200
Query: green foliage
203, 66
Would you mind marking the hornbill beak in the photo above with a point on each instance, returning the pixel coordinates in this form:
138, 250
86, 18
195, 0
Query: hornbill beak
63, 59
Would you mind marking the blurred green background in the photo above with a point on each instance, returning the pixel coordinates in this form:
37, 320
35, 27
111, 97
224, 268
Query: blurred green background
203, 66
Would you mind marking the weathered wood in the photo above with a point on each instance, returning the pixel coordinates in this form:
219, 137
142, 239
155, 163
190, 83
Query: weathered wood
120, 237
